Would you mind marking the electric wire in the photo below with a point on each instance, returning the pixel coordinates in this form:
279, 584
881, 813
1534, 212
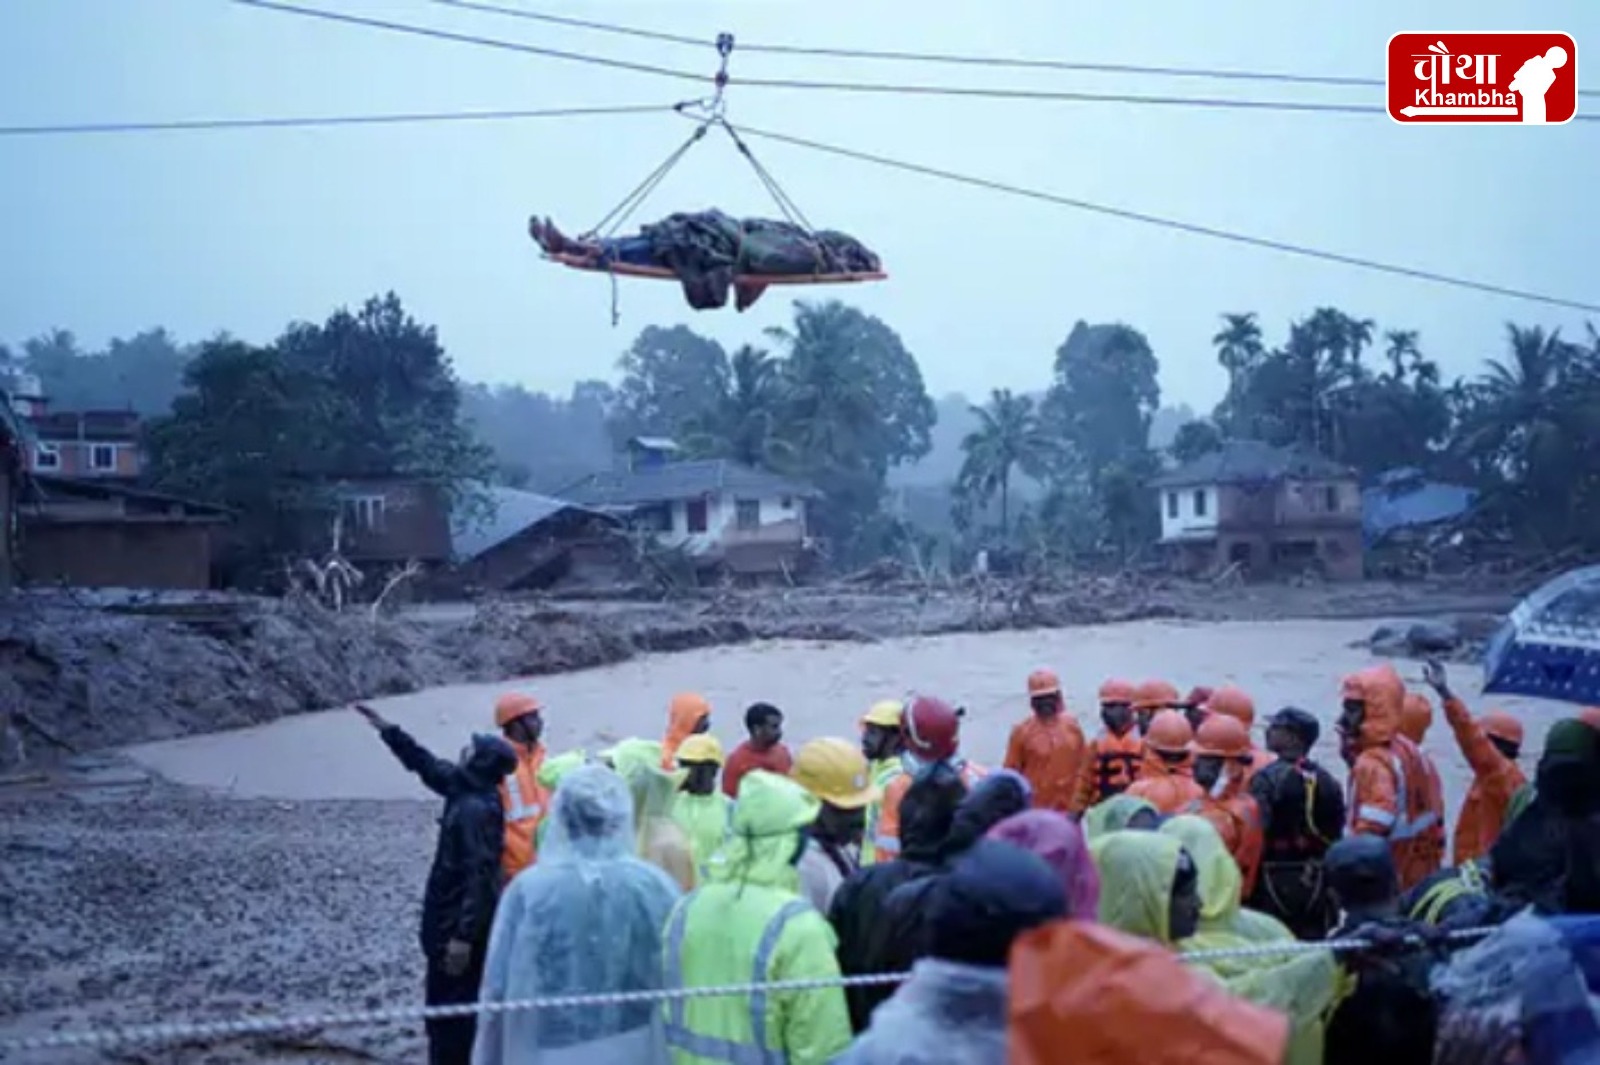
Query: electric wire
935, 58
1196, 229
319, 121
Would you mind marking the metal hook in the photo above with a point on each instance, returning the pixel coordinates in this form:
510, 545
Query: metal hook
716, 106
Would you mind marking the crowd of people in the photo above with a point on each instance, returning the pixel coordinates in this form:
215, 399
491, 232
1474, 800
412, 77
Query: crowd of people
1162, 890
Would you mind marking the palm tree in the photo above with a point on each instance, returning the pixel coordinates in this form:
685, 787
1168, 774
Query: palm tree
1401, 350
1009, 436
1238, 345
744, 424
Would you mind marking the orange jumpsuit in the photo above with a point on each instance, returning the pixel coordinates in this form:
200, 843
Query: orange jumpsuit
1112, 764
1169, 788
1416, 716
525, 802
1049, 752
887, 842
1389, 783
1237, 818
1495, 779
683, 717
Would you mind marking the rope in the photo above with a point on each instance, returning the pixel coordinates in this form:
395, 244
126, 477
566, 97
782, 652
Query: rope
113, 1036
632, 201
791, 210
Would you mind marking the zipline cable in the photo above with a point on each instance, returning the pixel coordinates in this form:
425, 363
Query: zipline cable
1193, 228
464, 38
935, 58
874, 88
318, 121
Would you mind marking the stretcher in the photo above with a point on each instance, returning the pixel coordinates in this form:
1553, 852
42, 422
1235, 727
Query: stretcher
593, 265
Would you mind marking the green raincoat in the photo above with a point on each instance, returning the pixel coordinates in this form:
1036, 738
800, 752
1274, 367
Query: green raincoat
704, 819
749, 924
661, 841
1221, 884
1136, 874
1113, 815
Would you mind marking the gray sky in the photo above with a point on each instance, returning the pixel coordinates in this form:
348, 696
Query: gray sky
243, 231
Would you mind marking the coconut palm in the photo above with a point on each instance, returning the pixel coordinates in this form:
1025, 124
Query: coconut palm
1010, 437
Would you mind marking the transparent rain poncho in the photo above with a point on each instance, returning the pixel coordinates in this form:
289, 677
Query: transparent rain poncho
587, 919
1137, 870
659, 839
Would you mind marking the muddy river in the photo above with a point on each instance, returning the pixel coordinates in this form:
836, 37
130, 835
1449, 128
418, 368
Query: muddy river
823, 689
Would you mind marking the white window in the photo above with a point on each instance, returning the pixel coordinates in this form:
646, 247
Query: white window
1200, 502
103, 457
364, 513
46, 457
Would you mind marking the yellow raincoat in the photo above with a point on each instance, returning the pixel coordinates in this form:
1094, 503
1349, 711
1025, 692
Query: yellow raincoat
661, 842
1137, 870
704, 819
1221, 884
749, 924
1113, 815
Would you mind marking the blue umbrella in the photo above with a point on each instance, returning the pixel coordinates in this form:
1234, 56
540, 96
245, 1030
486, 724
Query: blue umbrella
1549, 647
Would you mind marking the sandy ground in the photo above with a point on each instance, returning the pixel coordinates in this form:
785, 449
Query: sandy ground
282, 870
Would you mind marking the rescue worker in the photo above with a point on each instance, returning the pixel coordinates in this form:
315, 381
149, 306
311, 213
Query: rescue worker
858, 909
763, 750
1115, 757
1388, 787
1416, 717
882, 744
1457, 897
687, 715
464, 880
1430, 810
1491, 745
1060, 842
1165, 781
1048, 747
1194, 707
835, 773
1387, 1012
552, 771
1221, 769
1150, 887
932, 730
1532, 860
587, 919
520, 719
660, 841
1221, 906
699, 808
1237, 704
952, 1009
1302, 815
749, 924
1149, 699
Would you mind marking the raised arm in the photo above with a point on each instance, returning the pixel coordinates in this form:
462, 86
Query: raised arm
437, 775
1470, 737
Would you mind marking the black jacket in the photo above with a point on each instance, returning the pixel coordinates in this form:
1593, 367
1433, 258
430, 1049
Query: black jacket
1392, 1014
858, 910
464, 882
1291, 831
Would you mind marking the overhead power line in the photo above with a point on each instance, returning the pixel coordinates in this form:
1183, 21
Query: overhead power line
934, 58
1196, 229
315, 121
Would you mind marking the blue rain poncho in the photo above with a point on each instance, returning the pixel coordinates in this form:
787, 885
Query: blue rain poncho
587, 919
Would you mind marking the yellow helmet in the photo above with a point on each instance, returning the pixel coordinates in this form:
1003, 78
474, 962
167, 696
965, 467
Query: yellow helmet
885, 714
835, 771
701, 747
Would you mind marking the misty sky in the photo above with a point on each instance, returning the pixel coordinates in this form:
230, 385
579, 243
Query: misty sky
242, 231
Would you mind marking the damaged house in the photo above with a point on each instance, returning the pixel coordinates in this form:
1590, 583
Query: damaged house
1263, 509
530, 541
722, 514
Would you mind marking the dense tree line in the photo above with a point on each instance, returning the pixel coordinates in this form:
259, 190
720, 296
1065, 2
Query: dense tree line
835, 398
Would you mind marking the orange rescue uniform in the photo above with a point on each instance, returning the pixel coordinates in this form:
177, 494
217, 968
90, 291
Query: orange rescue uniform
1110, 766
1389, 784
1049, 752
525, 802
1237, 818
1495, 779
684, 715
1169, 788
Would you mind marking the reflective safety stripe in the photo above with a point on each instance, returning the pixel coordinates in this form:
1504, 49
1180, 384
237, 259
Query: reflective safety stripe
682, 1038
518, 807
1376, 814
886, 844
1413, 829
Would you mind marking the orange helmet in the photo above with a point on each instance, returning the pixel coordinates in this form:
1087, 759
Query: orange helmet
1043, 682
1229, 701
1221, 735
1117, 691
1502, 726
1155, 695
1169, 733
1416, 716
513, 705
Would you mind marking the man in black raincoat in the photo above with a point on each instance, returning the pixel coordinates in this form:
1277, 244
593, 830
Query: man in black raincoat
464, 881
857, 911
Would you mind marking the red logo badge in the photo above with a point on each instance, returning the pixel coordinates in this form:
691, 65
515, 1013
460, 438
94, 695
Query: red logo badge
1483, 77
